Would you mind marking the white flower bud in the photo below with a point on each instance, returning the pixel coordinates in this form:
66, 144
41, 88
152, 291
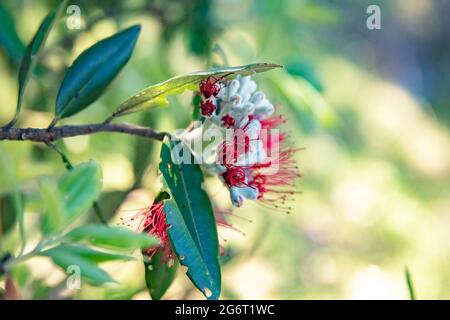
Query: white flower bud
247, 87
257, 97
233, 88
249, 192
264, 109
249, 108
253, 129
235, 100
242, 121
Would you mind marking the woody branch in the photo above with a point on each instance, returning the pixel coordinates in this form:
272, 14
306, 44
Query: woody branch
57, 133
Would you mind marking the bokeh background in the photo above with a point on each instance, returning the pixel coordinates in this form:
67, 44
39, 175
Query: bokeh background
370, 107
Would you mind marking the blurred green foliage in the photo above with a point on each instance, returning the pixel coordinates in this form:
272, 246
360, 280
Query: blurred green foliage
370, 108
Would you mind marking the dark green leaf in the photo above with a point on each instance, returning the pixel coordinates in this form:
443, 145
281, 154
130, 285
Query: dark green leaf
94, 256
88, 270
93, 70
193, 231
157, 94
159, 274
30, 57
115, 237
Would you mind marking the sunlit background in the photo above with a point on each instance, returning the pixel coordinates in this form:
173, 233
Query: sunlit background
370, 107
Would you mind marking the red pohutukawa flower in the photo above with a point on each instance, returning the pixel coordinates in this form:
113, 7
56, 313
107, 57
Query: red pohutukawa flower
152, 220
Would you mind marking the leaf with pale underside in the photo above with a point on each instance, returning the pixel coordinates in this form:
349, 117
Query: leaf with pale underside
92, 255
156, 95
69, 258
111, 237
30, 57
71, 197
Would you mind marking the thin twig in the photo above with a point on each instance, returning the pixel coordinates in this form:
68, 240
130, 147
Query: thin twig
57, 133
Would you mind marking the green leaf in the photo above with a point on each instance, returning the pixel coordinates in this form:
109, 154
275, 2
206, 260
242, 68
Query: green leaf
157, 94
410, 284
8, 178
9, 38
193, 231
54, 202
30, 57
88, 270
80, 187
94, 256
93, 70
115, 237
159, 274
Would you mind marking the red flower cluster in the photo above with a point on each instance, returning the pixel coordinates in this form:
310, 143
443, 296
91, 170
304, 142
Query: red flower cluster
228, 121
207, 108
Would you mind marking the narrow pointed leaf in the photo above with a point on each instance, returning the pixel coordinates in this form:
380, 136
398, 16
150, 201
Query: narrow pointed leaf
410, 284
93, 70
80, 187
193, 231
94, 256
9, 39
112, 237
159, 274
30, 57
157, 94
